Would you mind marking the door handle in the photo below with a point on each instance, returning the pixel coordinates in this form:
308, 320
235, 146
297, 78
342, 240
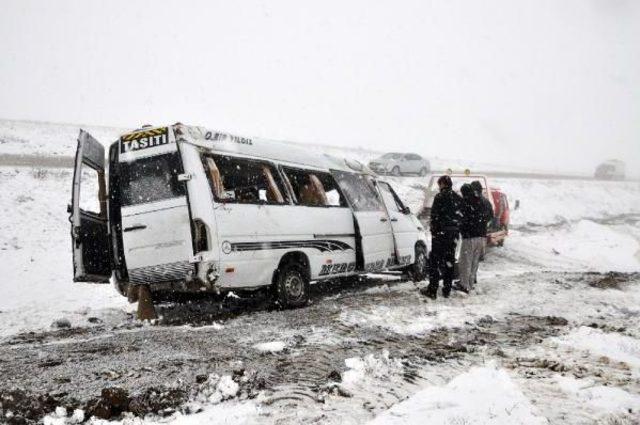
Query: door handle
136, 227
394, 220
383, 219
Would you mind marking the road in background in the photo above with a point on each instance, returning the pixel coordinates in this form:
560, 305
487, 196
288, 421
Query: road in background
40, 161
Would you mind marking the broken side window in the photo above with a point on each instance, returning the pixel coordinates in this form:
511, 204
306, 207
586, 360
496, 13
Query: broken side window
360, 192
314, 188
151, 179
243, 181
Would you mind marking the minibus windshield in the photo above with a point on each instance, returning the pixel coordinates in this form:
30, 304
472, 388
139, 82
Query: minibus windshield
151, 179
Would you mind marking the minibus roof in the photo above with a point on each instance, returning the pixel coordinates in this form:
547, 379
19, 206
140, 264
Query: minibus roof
275, 150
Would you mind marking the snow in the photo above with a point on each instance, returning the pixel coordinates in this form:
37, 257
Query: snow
35, 246
230, 413
617, 347
560, 226
35, 252
545, 202
483, 395
605, 400
233, 413
271, 347
583, 245
36, 259
360, 370
223, 388
409, 321
59, 417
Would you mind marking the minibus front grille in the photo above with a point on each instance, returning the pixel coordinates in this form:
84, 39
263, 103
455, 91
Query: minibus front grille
161, 273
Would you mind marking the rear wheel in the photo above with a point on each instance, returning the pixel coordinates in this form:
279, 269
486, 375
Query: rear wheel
292, 286
423, 171
395, 171
418, 269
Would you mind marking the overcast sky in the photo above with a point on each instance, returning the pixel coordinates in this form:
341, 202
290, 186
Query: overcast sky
552, 84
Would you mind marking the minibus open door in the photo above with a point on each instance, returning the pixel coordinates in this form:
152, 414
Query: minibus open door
88, 209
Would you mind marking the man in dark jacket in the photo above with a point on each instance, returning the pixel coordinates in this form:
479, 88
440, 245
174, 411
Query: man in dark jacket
488, 209
444, 223
473, 229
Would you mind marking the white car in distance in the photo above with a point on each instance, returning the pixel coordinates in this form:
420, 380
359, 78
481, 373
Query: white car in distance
398, 164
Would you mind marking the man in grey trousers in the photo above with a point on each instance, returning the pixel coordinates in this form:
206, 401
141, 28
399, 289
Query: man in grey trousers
473, 229
477, 187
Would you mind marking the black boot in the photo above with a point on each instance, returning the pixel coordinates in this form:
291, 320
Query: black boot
446, 290
430, 291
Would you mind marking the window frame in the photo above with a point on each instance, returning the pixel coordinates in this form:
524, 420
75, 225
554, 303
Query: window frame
383, 207
294, 197
125, 182
392, 156
101, 195
279, 179
402, 207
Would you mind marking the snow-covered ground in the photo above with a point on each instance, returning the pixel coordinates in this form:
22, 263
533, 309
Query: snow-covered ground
571, 227
35, 242
37, 286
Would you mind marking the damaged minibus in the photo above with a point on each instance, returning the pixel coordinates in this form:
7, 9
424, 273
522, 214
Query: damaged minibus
183, 208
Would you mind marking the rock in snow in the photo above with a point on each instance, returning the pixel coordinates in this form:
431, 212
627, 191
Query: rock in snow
63, 323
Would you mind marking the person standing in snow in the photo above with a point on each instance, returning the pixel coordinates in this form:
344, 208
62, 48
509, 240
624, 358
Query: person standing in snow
477, 188
473, 229
444, 225
488, 208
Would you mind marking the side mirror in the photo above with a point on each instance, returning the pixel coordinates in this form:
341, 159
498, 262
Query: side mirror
69, 208
517, 205
406, 210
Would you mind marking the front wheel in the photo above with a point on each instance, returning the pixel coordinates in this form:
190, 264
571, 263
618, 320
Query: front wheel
419, 268
292, 286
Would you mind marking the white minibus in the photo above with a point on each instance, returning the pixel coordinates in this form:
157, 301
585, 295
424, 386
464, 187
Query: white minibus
184, 208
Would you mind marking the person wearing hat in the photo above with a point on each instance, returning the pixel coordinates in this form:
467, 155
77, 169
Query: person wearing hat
487, 209
473, 229
444, 224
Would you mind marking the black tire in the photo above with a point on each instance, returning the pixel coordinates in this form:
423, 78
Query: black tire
423, 172
420, 267
292, 286
395, 171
